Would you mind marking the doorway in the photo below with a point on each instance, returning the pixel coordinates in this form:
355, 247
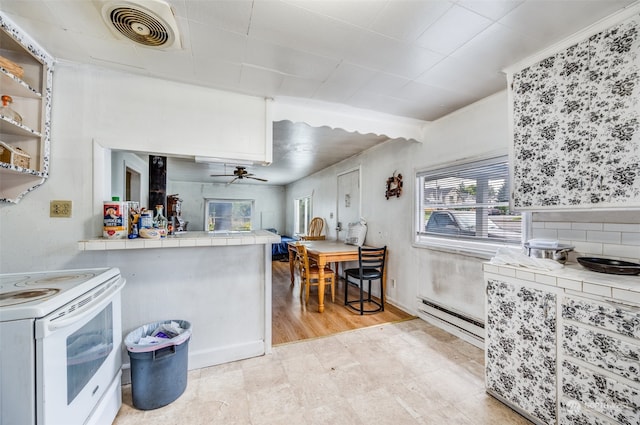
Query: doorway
132, 187
348, 210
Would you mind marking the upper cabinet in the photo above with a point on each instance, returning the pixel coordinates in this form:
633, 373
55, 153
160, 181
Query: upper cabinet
26, 74
576, 124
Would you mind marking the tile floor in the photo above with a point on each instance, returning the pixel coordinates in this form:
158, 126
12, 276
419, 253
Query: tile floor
403, 373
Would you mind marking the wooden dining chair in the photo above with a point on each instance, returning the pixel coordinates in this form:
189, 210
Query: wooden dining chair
310, 275
371, 262
315, 230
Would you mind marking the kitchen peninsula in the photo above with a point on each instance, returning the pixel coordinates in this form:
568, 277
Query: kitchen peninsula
220, 282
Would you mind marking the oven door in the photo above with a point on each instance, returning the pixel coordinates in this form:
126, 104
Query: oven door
78, 355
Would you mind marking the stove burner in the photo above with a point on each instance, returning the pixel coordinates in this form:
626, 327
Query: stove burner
63, 278
25, 296
13, 280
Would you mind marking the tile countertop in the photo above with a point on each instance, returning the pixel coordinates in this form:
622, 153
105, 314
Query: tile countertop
576, 278
183, 240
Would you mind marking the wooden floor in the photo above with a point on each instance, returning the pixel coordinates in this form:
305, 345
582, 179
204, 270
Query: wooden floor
293, 320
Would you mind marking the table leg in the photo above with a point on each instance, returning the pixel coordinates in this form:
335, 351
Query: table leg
321, 263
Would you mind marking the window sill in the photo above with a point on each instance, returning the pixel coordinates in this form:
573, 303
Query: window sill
480, 249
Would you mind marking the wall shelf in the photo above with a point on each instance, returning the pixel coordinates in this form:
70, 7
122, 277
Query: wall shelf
31, 93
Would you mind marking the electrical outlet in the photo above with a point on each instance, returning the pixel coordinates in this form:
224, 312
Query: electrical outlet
60, 209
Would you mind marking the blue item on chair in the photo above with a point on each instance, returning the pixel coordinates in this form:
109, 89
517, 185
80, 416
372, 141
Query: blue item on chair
371, 262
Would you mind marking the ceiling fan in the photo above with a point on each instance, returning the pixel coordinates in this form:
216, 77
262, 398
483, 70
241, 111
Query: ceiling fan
238, 174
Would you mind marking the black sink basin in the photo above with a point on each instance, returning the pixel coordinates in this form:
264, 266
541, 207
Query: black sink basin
605, 265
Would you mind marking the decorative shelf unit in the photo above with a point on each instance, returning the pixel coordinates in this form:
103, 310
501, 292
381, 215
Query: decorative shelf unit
31, 93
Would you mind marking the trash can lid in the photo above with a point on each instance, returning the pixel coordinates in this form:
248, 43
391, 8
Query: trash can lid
133, 339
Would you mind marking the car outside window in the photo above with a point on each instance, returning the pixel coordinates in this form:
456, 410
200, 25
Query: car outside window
466, 203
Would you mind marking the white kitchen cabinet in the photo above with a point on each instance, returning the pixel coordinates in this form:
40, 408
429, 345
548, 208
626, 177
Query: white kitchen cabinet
576, 123
31, 93
520, 347
600, 368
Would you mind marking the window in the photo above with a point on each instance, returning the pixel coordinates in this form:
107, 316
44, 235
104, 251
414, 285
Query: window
467, 206
227, 214
302, 215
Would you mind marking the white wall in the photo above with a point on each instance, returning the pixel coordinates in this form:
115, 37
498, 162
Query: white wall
30, 239
478, 130
160, 282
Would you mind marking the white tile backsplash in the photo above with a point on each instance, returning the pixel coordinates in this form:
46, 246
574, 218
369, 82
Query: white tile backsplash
543, 233
631, 239
557, 225
586, 248
633, 228
605, 237
592, 234
619, 251
587, 226
572, 235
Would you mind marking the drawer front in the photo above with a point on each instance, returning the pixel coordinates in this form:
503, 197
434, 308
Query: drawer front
602, 394
609, 353
574, 413
624, 321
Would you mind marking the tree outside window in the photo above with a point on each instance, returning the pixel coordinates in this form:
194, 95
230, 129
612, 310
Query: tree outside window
228, 214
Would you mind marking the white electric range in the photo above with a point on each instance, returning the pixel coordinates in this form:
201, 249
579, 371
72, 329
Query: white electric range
60, 338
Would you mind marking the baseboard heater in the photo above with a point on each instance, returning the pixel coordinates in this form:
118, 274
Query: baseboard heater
467, 328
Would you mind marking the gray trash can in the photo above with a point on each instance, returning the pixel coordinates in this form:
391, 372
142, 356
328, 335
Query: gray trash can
159, 360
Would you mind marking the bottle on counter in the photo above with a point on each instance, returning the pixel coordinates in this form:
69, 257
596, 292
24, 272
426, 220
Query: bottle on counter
146, 220
160, 221
6, 110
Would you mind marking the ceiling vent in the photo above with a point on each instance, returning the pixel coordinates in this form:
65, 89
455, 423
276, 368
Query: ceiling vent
150, 23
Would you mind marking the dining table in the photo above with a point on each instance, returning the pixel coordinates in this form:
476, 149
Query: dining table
324, 252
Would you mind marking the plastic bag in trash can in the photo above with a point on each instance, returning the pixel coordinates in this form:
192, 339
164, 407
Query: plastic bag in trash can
157, 335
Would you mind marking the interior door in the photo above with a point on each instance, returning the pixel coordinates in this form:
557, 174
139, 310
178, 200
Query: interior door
348, 210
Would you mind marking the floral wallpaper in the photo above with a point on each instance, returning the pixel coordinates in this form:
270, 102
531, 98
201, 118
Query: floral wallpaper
520, 346
577, 123
601, 393
598, 349
607, 338
616, 319
572, 413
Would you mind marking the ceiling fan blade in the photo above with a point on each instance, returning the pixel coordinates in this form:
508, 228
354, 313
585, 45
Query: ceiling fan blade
256, 178
232, 181
221, 175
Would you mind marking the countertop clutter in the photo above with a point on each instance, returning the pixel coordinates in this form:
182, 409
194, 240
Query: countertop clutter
576, 278
183, 240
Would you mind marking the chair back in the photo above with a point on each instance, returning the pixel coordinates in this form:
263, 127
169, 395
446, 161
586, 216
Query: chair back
296, 256
315, 230
372, 260
303, 258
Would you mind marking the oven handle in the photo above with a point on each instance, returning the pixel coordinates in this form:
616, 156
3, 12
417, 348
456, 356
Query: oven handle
88, 309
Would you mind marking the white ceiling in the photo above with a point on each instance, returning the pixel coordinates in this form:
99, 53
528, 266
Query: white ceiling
413, 58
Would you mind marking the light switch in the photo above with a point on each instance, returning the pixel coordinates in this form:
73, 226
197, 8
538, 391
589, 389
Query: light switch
60, 209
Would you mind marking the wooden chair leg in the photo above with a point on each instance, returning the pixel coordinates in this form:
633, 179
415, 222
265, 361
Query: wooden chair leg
333, 288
